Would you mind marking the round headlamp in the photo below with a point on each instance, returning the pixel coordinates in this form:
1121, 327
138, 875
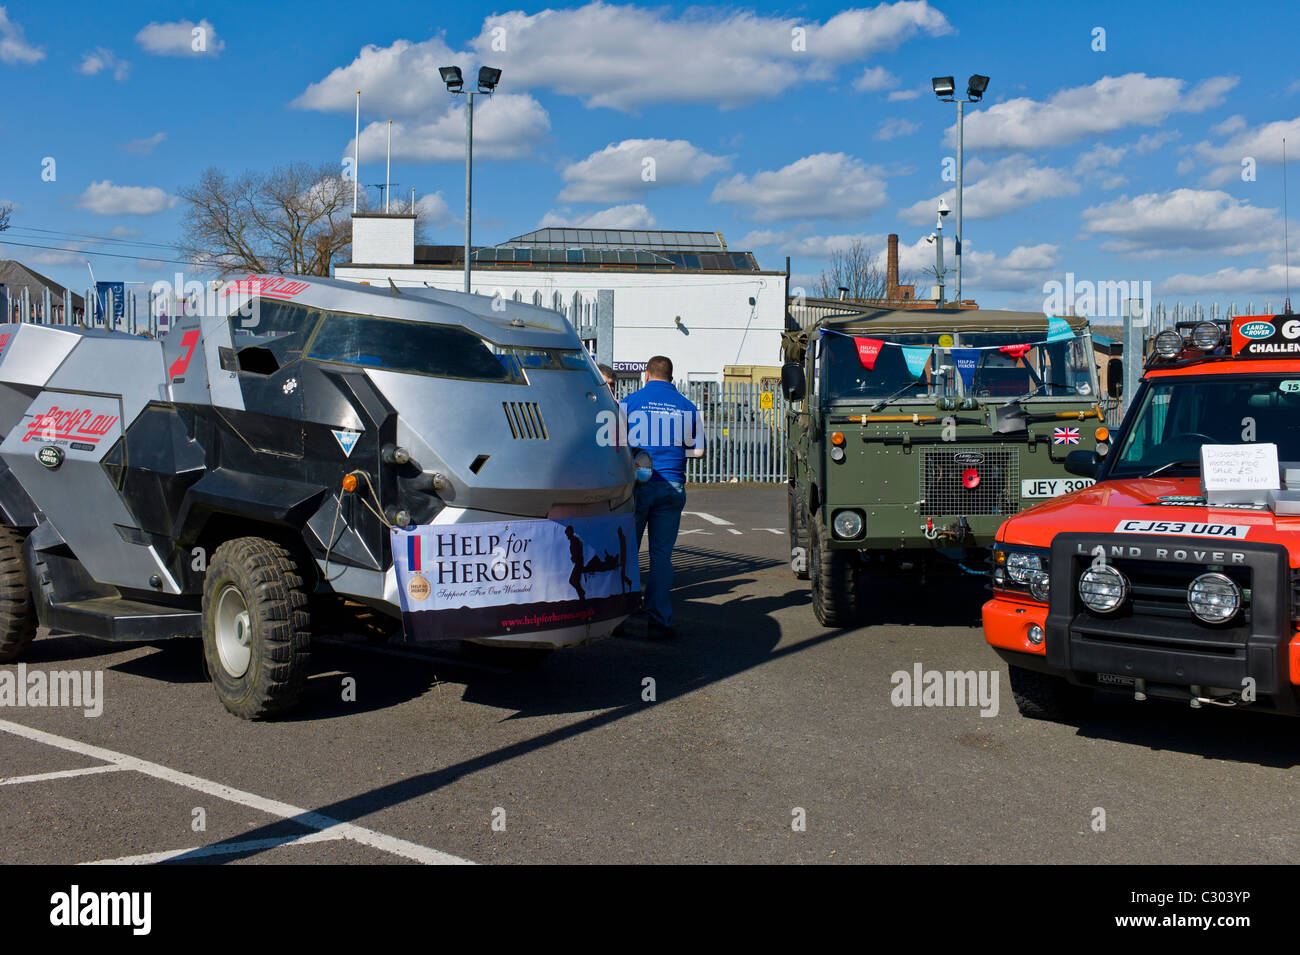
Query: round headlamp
1168, 344
847, 524
837, 453
1214, 598
1102, 588
1206, 336
1040, 583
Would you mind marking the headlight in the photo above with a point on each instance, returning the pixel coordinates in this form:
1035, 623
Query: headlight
1017, 569
1020, 565
1214, 598
1206, 336
847, 524
1102, 588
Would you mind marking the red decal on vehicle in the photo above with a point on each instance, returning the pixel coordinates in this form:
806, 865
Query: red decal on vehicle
76, 424
4, 343
188, 341
279, 288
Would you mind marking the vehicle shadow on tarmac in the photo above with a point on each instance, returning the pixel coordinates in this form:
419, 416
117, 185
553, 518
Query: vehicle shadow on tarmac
1260, 738
715, 640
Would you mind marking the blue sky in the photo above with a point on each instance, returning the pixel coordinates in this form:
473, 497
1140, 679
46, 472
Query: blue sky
1117, 164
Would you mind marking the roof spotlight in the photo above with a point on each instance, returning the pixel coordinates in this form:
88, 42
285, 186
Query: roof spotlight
976, 87
488, 77
943, 86
1206, 336
1168, 344
452, 77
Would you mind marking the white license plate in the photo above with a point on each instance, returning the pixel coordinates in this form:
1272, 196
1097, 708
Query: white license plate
1052, 487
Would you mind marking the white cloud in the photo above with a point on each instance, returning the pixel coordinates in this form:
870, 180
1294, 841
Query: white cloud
900, 95
893, 128
626, 57
630, 216
1261, 143
105, 199
1233, 124
399, 81
1185, 165
143, 147
181, 38
435, 210
14, 48
1003, 186
1258, 282
1152, 142
505, 127
875, 78
620, 170
1099, 157
1024, 268
1156, 225
823, 185
1111, 103
101, 59
795, 243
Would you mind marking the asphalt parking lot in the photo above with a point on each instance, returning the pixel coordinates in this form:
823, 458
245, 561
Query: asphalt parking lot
761, 718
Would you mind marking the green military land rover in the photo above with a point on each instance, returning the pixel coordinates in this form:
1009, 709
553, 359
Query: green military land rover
912, 435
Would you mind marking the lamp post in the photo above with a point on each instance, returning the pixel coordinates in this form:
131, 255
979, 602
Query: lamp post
945, 89
488, 78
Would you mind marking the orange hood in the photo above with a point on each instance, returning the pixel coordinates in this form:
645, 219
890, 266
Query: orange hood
1101, 508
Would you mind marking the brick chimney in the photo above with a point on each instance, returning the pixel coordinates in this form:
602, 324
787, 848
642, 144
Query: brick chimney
891, 269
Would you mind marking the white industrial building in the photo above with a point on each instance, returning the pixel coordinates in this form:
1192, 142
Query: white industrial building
680, 294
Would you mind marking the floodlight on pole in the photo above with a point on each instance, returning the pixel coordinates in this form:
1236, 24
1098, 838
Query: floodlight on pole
945, 88
488, 78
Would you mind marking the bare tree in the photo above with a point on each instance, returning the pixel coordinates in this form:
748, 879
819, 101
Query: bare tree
5, 209
856, 269
296, 219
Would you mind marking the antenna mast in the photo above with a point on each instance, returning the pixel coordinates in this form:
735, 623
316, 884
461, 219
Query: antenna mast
1286, 235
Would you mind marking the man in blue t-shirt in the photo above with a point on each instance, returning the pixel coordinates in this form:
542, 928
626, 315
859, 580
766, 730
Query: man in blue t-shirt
668, 428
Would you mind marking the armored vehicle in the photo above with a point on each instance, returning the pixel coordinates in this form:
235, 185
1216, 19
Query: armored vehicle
302, 448
912, 435
1177, 576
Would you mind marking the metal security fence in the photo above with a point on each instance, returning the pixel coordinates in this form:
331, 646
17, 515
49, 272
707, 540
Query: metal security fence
744, 431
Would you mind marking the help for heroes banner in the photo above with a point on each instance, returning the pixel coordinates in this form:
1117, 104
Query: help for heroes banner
515, 577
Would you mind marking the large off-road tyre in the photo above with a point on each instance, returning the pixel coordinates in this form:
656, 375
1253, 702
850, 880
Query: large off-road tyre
256, 628
797, 521
834, 580
17, 610
1042, 696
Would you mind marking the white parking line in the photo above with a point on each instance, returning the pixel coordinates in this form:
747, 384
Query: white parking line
220, 849
272, 807
61, 774
710, 518
732, 530
695, 531
771, 530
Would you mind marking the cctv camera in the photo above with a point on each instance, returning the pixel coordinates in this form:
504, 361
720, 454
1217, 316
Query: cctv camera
943, 207
930, 239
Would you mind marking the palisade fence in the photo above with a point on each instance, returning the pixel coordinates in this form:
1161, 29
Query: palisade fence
103, 308
744, 431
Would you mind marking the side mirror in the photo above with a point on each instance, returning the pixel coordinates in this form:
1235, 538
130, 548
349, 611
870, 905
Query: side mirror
1082, 462
793, 383
1114, 377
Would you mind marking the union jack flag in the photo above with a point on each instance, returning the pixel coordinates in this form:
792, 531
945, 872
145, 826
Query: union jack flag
1065, 436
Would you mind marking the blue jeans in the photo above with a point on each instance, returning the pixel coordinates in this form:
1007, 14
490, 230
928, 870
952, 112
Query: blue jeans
659, 506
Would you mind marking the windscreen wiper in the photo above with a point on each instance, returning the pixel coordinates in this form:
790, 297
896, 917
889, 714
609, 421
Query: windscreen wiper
1172, 464
884, 401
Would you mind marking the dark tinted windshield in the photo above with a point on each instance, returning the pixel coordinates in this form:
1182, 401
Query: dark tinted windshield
1178, 415
441, 350
845, 378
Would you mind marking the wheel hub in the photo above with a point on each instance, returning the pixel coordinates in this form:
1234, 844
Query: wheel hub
233, 628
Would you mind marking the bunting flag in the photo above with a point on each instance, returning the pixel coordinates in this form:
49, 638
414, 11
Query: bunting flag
917, 358
1058, 329
1016, 351
868, 351
966, 360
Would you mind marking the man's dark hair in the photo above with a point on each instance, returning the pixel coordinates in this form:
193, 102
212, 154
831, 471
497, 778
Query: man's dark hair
659, 367
606, 371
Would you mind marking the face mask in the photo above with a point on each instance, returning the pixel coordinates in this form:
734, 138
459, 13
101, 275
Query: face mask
643, 474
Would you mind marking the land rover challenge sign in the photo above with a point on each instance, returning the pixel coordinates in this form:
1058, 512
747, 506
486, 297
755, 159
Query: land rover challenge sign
515, 577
